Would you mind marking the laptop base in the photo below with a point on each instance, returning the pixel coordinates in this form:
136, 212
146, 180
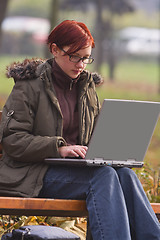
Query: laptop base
93, 162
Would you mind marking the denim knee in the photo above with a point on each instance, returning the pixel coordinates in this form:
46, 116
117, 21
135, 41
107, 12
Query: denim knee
105, 170
104, 173
127, 174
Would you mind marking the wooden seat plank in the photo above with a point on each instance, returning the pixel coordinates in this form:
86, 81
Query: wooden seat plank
40, 206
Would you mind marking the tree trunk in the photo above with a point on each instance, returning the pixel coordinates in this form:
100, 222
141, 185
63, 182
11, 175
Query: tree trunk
111, 59
99, 34
53, 18
3, 9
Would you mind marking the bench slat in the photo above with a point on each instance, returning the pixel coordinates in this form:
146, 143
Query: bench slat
40, 206
49, 207
156, 209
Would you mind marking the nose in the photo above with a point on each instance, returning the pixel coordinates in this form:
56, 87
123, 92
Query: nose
80, 64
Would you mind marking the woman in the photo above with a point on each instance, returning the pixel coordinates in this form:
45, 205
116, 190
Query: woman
51, 112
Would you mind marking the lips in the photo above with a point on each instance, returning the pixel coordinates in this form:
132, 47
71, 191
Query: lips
76, 72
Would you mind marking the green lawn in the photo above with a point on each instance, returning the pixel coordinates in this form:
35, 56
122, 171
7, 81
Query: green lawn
133, 80
146, 72
135, 71
128, 72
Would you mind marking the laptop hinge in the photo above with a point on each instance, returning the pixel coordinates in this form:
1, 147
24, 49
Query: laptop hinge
98, 159
131, 160
102, 159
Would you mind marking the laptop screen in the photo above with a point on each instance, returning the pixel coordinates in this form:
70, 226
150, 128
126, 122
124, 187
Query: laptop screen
123, 130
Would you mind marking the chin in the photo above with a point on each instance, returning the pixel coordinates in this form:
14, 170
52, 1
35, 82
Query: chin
73, 76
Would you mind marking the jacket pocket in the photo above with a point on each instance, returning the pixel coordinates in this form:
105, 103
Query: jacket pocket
4, 122
10, 176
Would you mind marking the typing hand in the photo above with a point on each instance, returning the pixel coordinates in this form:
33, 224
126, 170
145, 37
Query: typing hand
73, 151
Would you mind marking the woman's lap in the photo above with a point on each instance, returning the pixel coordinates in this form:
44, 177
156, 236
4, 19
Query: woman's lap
110, 194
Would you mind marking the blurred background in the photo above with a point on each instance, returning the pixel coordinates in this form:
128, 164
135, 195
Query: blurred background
126, 33
127, 53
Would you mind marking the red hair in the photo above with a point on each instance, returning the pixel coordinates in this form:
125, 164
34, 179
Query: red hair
71, 33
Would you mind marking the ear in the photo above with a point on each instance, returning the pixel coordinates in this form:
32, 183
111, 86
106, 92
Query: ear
55, 49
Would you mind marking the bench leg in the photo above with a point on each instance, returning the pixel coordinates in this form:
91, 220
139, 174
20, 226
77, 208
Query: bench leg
89, 235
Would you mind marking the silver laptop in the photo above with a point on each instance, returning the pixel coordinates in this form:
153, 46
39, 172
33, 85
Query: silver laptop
121, 136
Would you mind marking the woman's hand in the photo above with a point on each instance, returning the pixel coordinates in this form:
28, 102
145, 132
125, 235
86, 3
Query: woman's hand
73, 151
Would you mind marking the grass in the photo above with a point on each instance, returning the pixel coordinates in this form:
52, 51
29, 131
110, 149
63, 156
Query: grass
146, 72
135, 71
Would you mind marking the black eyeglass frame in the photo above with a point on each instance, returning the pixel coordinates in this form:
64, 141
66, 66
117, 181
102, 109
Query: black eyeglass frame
79, 58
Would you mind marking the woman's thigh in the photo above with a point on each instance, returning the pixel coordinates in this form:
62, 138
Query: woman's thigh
66, 182
74, 182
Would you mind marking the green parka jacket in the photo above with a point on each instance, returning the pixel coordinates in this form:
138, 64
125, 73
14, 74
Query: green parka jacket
32, 122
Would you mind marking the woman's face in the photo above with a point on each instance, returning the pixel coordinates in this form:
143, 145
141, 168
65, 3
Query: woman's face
72, 69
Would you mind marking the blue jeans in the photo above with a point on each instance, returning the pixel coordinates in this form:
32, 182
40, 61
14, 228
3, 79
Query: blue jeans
117, 205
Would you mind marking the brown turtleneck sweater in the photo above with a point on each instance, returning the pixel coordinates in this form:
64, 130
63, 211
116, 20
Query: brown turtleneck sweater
67, 92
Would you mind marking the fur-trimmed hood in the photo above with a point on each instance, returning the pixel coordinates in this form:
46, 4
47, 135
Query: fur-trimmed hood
28, 70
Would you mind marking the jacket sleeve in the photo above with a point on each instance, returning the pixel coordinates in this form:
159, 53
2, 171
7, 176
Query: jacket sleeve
16, 130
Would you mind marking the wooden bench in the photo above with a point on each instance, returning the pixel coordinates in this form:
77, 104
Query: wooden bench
49, 207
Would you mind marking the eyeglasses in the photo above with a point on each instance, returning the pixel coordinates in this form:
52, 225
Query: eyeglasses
76, 59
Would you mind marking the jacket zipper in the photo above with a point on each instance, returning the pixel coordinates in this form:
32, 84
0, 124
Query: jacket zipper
69, 110
71, 85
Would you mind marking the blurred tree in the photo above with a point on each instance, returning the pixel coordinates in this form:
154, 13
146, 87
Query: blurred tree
53, 18
79, 5
106, 10
3, 9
